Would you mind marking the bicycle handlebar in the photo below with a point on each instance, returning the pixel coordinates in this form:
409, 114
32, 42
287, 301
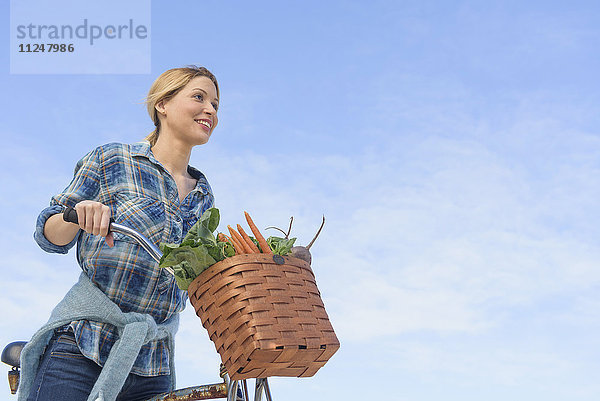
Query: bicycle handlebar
70, 215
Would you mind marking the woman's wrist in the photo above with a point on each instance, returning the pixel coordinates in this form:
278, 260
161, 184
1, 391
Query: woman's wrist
58, 231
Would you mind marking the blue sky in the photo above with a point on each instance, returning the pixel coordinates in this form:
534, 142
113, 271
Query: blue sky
452, 146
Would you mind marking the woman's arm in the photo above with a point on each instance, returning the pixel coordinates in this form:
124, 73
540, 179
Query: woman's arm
94, 218
50, 229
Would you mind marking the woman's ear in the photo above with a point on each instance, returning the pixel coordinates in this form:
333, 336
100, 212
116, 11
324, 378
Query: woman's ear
160, 107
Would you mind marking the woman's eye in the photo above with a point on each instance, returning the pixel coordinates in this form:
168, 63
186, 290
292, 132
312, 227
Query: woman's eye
216, 106
199, 96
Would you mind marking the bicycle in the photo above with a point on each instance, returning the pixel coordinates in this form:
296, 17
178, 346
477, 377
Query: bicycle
233, 390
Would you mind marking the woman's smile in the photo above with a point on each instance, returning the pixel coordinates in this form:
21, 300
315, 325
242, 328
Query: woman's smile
205, 123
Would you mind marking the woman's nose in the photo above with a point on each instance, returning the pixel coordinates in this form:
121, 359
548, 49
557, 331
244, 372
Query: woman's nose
210, 109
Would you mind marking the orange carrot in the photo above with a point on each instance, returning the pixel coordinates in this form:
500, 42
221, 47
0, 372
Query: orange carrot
236, 247
250, 243
234, 234
239, 250
261, 240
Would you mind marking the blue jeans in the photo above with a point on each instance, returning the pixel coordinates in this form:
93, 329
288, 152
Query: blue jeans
65, 374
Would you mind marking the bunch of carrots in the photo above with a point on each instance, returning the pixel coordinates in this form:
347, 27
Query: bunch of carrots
242, 243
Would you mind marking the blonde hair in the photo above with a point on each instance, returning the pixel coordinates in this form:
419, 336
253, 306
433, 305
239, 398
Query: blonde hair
167, 85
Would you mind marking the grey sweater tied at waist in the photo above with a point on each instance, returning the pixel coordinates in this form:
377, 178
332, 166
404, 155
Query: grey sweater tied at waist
85, 301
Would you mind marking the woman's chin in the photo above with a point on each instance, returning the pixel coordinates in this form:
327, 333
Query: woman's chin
197, 138
201, 140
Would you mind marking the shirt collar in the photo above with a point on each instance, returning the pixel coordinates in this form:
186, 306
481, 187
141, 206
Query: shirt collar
143, 149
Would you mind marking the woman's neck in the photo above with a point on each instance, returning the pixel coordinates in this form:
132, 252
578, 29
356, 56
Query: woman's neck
173, 155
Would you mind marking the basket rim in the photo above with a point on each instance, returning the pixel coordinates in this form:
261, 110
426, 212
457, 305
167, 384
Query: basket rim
236, 260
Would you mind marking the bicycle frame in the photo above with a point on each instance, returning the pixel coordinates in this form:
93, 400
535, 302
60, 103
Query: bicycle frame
233, 391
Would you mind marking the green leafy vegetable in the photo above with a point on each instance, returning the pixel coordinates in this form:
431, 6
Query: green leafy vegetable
188, 262
199, 250
281, 246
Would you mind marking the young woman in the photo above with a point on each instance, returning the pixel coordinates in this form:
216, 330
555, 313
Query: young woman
112, 335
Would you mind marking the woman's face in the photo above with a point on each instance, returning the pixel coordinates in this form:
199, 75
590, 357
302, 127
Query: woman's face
191, 115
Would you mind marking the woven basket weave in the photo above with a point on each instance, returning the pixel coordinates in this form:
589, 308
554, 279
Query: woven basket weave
265, 318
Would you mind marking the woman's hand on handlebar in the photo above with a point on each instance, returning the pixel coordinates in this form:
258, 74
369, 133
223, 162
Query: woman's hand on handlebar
94, 218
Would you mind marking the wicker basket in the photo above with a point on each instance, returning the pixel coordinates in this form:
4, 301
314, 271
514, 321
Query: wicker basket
265, 315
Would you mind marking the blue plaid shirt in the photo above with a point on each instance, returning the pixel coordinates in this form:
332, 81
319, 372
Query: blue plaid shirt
141, 194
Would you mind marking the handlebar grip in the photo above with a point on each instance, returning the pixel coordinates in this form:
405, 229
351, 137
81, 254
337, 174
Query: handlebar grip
70, 215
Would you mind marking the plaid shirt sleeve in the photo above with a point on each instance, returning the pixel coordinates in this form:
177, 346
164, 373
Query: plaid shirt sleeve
84, 185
